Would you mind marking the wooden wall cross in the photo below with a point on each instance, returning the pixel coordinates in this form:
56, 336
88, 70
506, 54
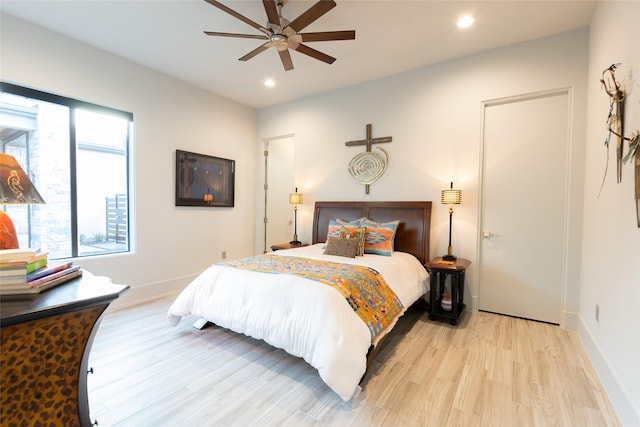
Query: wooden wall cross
369, 141
368, 168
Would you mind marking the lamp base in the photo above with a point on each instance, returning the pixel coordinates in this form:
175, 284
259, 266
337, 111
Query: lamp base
8, 235
295, 241
449, 256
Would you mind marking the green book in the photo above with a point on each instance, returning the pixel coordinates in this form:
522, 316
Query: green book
22, 268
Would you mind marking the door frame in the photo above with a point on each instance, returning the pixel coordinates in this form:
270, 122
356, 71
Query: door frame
568, 91
265, 183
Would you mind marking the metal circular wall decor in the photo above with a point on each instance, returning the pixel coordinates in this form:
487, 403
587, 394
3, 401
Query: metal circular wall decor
368, 167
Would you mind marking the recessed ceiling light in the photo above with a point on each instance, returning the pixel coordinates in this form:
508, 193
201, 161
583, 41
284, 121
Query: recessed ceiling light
269, 83
466, 21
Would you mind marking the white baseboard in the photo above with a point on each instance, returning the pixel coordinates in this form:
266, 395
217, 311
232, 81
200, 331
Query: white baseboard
150, 291
628, 413
570, 321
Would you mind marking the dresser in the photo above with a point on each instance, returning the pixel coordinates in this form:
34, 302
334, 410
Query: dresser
44, 351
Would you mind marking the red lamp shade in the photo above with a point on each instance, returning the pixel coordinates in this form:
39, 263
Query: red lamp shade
15, 188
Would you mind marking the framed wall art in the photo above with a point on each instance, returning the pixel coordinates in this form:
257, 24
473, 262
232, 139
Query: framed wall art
203, 180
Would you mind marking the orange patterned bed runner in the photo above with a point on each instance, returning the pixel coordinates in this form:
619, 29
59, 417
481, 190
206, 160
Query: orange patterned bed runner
364, 288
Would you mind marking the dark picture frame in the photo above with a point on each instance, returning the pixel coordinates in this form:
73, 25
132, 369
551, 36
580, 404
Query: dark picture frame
203, 180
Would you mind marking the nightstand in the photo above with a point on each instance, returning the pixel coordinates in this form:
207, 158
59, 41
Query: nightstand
286, 246
439, 270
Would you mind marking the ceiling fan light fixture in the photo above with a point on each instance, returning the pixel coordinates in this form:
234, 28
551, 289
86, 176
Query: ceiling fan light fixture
269, 82
278, 38
279, 41
466, 21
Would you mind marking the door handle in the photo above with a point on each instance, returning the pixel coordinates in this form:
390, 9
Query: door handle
488, 234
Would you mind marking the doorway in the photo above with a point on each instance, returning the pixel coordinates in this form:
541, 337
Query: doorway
278, 183
524, 194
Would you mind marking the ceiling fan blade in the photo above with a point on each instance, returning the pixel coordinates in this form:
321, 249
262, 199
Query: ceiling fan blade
311, 14
256, 51
315, 54
243, 36
285, 57
272, 12
329, 35
238, 16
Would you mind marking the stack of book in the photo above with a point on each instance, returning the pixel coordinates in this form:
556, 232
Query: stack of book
27, 271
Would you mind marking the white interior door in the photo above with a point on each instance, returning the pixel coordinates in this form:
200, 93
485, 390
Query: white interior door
279, 183
523, 204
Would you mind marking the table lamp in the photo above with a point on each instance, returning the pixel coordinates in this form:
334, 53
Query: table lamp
295, 199
15, 189
450, 197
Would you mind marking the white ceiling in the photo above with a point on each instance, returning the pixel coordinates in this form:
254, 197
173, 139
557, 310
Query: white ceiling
391, 36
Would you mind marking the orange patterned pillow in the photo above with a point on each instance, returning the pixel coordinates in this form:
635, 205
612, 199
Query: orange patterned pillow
379, 239
354, 222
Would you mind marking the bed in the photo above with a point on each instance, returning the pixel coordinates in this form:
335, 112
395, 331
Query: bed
304, 316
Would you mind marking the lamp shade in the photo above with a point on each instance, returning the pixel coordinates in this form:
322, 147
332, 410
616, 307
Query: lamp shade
15, 185
451, 196
295, 198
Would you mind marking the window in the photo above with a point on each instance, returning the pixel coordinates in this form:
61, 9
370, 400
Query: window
76, 154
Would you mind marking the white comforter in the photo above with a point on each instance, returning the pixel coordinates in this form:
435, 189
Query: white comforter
306, 318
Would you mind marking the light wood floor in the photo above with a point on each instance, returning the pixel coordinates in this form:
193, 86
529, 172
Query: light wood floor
489, 371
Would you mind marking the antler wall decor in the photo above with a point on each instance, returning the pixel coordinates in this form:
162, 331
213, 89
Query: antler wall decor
615, 125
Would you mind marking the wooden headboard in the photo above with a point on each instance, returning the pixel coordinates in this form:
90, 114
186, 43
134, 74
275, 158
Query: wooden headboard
413, 232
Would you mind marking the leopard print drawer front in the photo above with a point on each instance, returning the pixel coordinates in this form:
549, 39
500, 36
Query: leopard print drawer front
40, 364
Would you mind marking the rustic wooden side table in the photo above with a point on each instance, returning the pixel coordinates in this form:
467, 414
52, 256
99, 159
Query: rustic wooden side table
280, 246
439, 270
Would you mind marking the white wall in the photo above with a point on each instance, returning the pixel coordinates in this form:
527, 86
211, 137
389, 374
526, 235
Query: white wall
172, 243
434, 117
611, 241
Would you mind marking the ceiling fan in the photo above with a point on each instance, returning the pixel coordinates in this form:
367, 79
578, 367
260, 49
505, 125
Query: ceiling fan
283, 34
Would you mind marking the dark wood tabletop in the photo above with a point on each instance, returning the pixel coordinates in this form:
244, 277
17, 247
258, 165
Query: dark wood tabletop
85, 291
